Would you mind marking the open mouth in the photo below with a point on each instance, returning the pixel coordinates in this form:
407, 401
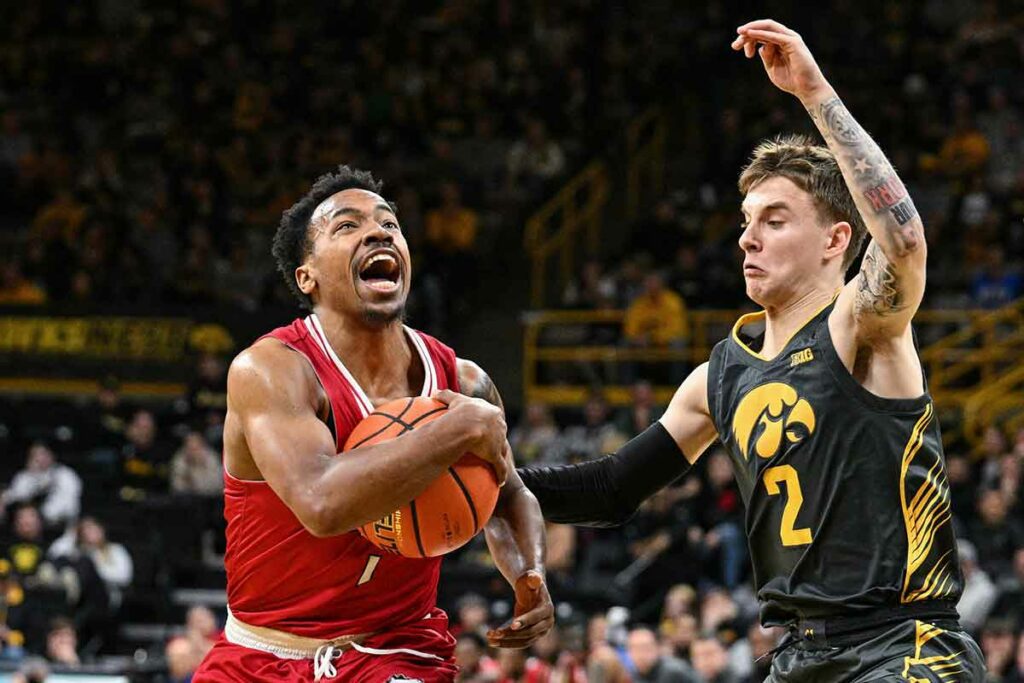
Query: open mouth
381, 271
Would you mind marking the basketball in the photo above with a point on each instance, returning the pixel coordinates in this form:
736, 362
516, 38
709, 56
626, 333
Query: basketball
451, 511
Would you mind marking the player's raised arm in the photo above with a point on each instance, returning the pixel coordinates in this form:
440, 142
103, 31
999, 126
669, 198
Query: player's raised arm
275, 399
884, 296
606, 492
515, 536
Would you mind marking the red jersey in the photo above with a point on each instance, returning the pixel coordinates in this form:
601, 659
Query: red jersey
279, 575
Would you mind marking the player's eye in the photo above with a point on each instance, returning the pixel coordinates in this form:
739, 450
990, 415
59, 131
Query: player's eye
775, 224
743, 225
391, 225
347, 225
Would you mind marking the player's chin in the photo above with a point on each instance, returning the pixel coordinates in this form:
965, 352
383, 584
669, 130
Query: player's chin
383, 312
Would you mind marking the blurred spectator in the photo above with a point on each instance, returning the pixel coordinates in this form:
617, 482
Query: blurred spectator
16, 289
471, 657
719, 509
112, 562
761, 642
534, 437
979, 594
208, 397
473, 612
995, 286
593, 289
109, 420
452, 227
17, 617
657, 317
201, 629
595, 437
998, 643
534, 159
710, 660
32, 670
26, 549
642, 413
182, 660
650, 665
995, 535
196, 468
54, 487
146, 456
62, 644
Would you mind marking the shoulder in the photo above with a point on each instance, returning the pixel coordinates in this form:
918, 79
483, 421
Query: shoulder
269, 368
473, 381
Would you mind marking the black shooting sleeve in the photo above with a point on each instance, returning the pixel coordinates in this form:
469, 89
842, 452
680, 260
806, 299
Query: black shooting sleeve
607, 492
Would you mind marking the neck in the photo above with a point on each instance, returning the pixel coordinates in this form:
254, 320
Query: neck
782, 322
351, 339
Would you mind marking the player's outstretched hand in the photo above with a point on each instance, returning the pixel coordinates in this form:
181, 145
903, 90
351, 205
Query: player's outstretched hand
534, 614
789, 63
483, 424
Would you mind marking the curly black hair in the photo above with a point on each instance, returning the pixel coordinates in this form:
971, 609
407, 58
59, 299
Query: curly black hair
291, 241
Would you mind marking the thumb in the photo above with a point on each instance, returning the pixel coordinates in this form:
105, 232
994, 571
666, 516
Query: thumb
445, 396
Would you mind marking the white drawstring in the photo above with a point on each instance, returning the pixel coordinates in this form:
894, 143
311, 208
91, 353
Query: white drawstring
323, 662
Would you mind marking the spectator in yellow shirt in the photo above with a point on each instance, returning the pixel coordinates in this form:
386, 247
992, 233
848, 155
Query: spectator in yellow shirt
657, 317
452, 227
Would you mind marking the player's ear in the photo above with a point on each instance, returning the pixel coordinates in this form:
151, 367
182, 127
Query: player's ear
839, 235
305, 277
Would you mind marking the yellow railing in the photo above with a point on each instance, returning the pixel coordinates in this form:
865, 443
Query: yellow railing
974, 367
554, 230
645, 160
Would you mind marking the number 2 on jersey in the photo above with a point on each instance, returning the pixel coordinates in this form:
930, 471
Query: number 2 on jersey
794, 499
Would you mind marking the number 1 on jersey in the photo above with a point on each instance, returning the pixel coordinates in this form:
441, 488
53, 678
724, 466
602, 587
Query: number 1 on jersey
794, 499
371, 566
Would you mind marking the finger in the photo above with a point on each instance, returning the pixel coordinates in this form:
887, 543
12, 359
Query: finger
738, 43
519, 639
523, 622
773, 37
748, 48
768, 25
768, 54
445, 396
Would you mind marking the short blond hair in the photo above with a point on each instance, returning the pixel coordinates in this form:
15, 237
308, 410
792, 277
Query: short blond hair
814, 169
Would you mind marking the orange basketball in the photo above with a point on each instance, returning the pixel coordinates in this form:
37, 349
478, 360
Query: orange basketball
450, 511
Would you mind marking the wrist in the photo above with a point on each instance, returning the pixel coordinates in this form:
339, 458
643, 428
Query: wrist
818, 95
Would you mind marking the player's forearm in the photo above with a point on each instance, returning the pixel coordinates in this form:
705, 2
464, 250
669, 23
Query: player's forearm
880, 196
515, 532
367, 483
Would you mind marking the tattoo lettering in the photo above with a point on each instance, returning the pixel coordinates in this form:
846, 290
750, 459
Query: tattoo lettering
904, 211
878, 290
477, 384
887, 194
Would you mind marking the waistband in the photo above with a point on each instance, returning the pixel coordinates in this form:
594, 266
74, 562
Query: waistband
847, 630
282, 644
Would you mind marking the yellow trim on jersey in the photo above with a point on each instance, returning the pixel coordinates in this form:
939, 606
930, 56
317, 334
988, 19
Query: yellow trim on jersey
942, 666
750, 317
923, 516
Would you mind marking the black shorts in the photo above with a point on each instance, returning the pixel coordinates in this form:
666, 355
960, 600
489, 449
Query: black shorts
914, 651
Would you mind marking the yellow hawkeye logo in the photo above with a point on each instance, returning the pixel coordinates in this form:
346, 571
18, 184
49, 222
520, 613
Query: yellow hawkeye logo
768, 414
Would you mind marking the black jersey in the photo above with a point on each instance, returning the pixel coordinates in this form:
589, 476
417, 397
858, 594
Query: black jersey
847, 503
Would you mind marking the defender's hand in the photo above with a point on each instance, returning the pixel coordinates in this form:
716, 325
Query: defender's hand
534, 614
483, 426
789, 63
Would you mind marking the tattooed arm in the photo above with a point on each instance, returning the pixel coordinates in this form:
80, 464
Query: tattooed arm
883, 298
516, 538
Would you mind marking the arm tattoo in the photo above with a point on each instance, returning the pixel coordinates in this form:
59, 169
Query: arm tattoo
476, 383
878, 289
888, 208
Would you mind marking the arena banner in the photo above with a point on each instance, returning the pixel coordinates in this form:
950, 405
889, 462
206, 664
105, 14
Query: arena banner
69, 352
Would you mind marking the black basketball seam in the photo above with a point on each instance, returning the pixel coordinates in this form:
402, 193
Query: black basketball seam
427, 414
416, 528
469, 499
393, 418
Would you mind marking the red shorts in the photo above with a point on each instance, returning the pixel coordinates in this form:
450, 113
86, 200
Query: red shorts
230, 663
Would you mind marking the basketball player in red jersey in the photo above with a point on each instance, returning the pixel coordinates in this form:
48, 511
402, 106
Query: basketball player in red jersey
308, 597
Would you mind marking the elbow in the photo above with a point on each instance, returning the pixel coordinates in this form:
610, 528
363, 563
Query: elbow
323, 520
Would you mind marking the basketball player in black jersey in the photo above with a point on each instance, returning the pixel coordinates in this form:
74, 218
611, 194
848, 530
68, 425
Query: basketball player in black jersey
821, 403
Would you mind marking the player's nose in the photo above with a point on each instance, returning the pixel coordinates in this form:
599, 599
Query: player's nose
378, 234
748, 241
